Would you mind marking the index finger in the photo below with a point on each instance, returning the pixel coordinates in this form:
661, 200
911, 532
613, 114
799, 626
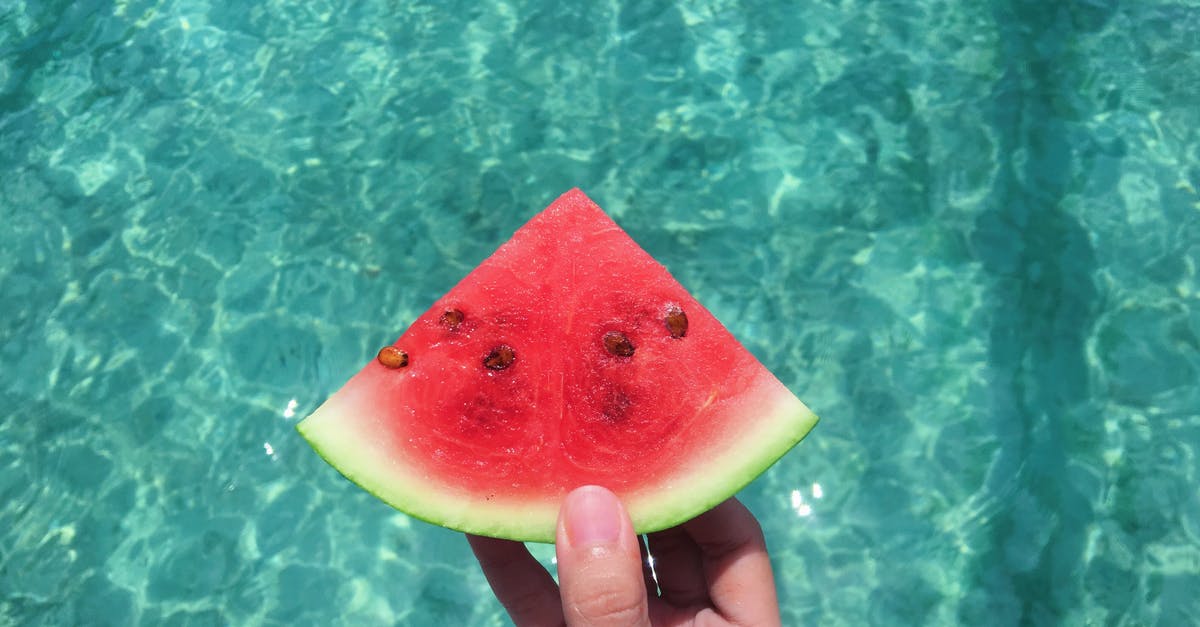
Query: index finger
522, 586
733, 553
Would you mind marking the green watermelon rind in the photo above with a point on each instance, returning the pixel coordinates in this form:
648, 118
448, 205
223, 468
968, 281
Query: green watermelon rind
775, 421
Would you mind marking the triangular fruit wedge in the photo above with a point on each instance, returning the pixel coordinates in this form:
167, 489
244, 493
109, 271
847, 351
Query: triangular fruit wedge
568, 357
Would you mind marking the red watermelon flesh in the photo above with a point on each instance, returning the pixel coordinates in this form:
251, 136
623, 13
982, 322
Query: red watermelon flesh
568, 357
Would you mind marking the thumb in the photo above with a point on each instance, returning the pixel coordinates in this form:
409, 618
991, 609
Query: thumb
599, 565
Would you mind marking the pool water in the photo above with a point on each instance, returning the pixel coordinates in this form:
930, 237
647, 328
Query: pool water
966, 233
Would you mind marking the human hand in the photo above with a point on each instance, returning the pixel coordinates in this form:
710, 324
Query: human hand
711, 570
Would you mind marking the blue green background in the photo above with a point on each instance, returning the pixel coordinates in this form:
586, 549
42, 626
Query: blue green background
966, 233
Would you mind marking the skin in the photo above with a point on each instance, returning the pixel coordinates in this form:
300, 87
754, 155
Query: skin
711, 570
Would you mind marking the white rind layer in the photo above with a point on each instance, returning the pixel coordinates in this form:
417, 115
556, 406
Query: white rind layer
766, 420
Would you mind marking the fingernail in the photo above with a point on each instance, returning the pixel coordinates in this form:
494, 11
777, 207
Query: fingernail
592, 515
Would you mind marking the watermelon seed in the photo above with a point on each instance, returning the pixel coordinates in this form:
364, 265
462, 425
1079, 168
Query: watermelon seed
451, 318
392, 357
618, 344
500, 358
676, 321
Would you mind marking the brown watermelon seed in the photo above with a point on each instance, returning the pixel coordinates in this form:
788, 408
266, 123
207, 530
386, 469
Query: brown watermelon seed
676, 321
618, 344
392, 357
500, 358
451, 318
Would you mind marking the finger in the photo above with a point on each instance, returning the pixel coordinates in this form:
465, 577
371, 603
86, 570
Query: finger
599, 562
735, 563
522, 585
678, 566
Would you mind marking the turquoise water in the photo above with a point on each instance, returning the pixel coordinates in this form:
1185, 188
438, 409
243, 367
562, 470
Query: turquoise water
966, 233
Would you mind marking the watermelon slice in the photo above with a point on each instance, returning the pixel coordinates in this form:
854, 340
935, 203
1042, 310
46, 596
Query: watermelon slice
568, 357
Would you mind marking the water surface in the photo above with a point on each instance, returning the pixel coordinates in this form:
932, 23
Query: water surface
965, 233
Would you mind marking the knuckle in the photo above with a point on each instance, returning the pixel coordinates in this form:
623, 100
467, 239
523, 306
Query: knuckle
523, 601
612, 607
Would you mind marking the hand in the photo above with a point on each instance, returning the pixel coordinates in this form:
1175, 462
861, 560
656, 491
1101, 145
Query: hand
712, 570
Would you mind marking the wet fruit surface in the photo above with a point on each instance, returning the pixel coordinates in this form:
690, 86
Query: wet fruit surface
541, 373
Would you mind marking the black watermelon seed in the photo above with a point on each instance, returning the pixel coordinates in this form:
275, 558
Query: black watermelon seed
617, 344
392, 357
676, 321
500, 358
